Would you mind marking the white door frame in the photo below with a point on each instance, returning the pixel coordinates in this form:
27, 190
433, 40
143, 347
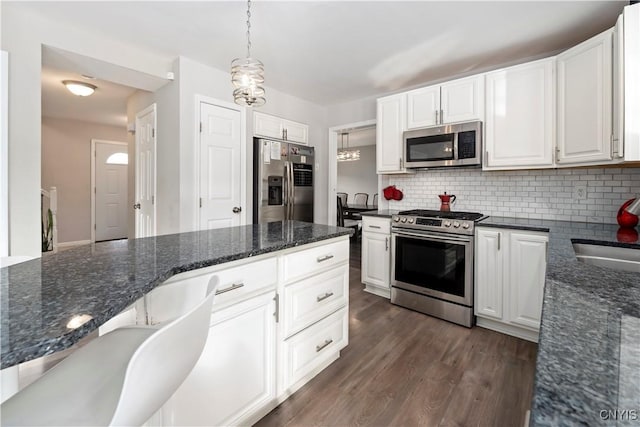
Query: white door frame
93, 179
4, 153
144, 112
243, 154
333, 164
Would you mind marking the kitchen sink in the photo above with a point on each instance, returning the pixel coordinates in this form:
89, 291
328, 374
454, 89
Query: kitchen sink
615, 257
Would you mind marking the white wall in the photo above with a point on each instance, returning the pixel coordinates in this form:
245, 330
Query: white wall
546, 194
359, 176
66, 164
23, 33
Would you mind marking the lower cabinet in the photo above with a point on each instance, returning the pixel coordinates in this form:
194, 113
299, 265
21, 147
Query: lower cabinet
510, 277
376, 255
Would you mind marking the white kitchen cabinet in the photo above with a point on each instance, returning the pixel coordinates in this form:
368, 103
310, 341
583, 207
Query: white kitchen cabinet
585, 103
520, 116
455, 101
275, 127
391, 123
235, 376
509, 280
376, 255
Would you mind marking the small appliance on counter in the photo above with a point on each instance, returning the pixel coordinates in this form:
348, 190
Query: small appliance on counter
446, 200
626, 219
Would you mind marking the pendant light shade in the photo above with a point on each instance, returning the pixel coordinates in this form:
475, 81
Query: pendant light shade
247, 74
346, 155
79, 88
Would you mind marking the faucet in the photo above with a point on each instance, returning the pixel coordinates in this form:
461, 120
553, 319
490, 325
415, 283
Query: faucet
634, 208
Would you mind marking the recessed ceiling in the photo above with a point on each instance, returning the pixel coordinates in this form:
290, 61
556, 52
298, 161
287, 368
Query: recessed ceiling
107, 105
335, 51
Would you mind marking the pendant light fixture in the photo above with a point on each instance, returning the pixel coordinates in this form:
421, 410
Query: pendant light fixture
346, 155
247, 74
79, 88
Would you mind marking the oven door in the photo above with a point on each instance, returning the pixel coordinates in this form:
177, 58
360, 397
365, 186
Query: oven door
435, 264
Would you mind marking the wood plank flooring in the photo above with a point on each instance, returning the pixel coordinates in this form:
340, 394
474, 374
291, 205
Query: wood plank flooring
402, 368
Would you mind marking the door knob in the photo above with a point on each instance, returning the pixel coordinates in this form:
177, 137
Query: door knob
136, 206
237, 209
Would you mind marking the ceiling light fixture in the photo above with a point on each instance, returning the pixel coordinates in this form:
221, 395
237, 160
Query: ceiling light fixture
247, 74
346, 155
79, 88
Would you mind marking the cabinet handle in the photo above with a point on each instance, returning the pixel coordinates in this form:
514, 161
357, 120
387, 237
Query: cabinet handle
323, 345
436, 116
375, 226
277, 313
400, 162
386, 244
324, 258
230, 288
325, 296
441, 116
499, 235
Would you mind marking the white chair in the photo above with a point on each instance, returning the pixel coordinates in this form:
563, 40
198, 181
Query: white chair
119, 379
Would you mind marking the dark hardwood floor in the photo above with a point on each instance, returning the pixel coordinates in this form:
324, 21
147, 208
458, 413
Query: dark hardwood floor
402, 368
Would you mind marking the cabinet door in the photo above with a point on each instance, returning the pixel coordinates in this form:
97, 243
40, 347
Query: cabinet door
266, 125
489, 273
296, 132
585, 102
423, 107
527, 267
462, 100
235, 376
520, 108
376, 259
389, 128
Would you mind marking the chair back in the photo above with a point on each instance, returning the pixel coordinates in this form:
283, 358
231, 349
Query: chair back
360, 198
343, 198
375, 199
340, 212
162, 363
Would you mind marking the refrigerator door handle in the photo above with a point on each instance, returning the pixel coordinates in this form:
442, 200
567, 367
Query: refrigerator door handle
291, 191
286, 190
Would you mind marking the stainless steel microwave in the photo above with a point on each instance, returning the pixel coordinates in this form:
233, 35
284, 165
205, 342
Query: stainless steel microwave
458, 144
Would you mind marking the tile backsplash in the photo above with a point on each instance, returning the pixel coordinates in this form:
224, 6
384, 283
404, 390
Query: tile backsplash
545, 194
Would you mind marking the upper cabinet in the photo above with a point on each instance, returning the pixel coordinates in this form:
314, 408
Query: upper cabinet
275, 127
391, 124
585, 102
630, 59
520, 111
455, 101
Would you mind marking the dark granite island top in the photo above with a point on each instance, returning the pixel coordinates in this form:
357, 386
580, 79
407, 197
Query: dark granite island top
589, 347
39, 297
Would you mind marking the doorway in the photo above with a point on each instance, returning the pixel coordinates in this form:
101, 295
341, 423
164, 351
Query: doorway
110, 190
145, 173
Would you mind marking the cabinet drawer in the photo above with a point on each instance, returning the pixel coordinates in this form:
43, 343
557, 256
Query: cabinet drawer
307, 262
236, 284
376, 225
311, 299
310, 348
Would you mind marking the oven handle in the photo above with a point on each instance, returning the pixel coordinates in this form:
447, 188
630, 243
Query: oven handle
430, 236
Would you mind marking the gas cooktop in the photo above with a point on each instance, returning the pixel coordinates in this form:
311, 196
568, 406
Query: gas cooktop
443, 221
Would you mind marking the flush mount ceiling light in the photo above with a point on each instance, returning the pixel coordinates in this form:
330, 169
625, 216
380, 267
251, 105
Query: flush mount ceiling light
247, 74
346, 155
79, 88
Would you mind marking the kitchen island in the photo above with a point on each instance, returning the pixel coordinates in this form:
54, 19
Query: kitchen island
588, 364
283, 285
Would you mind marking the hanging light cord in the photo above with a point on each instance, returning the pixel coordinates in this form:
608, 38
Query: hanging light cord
248, 28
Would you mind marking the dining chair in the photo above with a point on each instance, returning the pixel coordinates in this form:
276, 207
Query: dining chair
347, 223
343, 198
121, 378
360, 199
375, 199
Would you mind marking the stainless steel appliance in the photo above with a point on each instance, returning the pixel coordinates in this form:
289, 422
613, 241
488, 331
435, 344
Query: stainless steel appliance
432, 263
282, 181
458, 144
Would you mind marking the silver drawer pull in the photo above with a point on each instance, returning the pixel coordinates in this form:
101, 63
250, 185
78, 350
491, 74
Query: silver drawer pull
321, 346
230, 288
375, 226
325, 296
324, 258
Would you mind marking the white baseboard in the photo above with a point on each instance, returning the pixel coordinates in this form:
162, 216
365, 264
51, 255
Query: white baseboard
515, 331
76, 243
381, 292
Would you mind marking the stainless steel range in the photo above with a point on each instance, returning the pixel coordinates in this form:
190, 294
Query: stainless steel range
432, 263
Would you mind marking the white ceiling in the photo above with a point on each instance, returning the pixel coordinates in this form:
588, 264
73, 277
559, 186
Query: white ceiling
107, 105
335, 51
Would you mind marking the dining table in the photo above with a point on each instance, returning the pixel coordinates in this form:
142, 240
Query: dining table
351, 209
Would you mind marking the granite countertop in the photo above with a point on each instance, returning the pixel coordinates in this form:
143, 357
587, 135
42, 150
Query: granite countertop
39, 297
386, 213
589, 346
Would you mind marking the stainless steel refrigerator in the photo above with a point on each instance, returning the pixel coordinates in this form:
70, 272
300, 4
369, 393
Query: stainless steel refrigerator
282, 181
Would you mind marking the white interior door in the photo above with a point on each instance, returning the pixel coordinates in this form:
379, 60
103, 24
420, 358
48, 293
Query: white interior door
145, 204
220, 166
111, 165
